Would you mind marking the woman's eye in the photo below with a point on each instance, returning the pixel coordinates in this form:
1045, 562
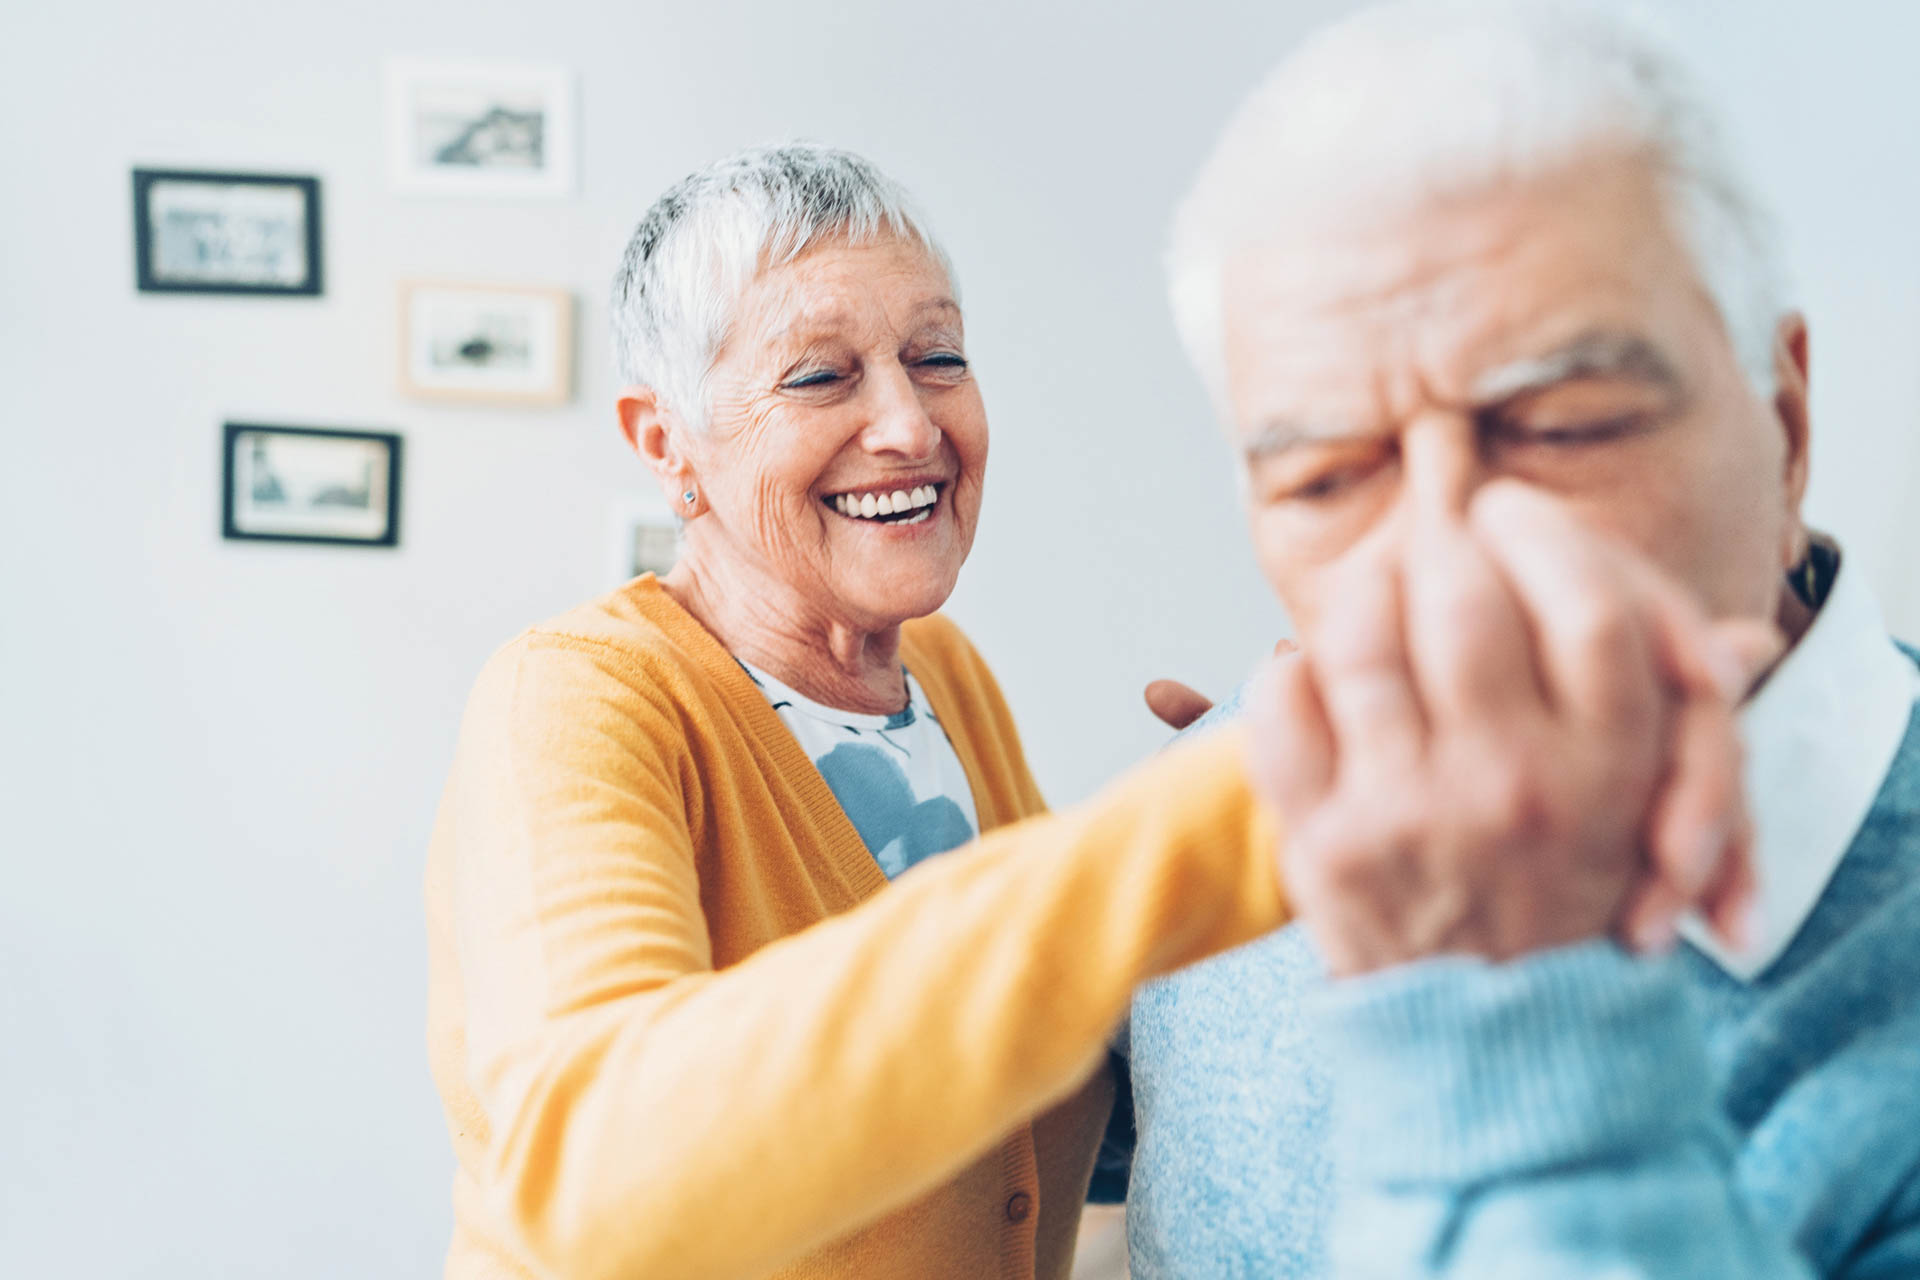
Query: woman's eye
818, 378
944, 360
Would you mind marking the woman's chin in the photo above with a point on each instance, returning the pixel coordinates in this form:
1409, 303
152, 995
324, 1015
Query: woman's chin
900, 592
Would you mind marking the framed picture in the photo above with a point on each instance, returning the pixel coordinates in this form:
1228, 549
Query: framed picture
480, 128
303, 484
485, 343
642, 537
199, 232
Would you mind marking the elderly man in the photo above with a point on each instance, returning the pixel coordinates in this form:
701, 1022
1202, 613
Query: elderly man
1492, 318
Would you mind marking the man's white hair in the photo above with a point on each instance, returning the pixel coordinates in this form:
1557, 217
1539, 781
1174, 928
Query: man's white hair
715, 230
1428, 98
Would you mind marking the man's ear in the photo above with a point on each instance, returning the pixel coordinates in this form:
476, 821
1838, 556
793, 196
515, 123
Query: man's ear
653, 433
1790, 405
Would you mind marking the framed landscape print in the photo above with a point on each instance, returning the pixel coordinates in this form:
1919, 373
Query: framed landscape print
235, 233
485, 343
480, 128
304, 484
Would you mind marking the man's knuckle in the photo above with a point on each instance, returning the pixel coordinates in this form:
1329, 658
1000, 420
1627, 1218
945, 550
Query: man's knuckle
1603, 630
1624, 704
1509, 799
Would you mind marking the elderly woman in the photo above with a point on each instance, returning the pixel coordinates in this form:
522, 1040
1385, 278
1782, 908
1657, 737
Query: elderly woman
681, 1023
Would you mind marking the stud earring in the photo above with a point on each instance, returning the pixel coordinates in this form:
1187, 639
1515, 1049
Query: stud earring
687, 497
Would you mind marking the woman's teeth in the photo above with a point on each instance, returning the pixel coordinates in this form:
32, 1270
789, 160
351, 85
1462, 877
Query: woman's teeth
901, 502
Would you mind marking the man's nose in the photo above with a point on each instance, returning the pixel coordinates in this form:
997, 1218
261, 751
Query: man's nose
900, 422
1441, 466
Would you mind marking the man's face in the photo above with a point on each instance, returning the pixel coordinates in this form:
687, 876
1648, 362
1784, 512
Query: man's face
1553, 332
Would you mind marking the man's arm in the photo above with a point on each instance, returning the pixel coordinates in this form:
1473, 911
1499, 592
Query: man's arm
1547, 1118
1471, 766
1191, 713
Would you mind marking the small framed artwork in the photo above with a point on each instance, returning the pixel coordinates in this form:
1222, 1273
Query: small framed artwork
642, 537
198, 232
304, 484
485, 343
495, 129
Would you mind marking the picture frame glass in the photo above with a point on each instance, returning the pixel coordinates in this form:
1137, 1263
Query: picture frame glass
226, 233
328, 486
471, 125
485, 343
642, 537
480, 128
652, 547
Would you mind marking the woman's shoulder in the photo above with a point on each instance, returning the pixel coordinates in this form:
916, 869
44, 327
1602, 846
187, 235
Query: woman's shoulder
636, 620
630, 643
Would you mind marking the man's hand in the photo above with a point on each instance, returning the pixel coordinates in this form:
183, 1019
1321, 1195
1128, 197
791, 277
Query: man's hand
1179, 705
1517, 737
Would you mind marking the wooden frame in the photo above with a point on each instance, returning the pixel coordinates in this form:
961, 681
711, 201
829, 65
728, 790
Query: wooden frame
487, 344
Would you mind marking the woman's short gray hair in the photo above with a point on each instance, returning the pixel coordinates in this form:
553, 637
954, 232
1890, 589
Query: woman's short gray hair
715, 230
1438, 97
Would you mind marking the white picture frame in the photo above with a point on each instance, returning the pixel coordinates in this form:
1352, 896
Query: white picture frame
642, 537
485, 343
494, 130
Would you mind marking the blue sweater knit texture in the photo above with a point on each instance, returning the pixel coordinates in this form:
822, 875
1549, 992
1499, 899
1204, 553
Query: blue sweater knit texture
1579, 1113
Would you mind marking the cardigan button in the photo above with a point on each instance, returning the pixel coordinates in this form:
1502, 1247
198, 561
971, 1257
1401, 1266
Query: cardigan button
1019, 1205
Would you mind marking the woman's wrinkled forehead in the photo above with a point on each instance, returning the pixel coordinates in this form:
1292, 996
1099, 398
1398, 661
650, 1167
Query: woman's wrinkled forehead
856, 293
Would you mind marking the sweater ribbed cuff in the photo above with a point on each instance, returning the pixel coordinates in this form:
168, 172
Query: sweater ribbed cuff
1460, 1070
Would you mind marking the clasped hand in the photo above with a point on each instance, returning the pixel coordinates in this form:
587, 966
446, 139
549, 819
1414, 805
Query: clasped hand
1507, 733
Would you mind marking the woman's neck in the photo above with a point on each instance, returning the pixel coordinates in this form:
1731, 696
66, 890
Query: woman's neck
767, 625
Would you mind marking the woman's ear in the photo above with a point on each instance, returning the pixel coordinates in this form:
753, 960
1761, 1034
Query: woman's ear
654, 433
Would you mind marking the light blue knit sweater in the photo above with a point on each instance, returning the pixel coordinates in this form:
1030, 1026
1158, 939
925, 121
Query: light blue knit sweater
1578, 1114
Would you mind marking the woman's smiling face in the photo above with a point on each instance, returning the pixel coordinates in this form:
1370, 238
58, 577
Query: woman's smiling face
846, 440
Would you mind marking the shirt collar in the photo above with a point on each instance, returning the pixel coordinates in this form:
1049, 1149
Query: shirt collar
1820, 736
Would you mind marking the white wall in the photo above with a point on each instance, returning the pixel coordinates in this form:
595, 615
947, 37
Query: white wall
219, 761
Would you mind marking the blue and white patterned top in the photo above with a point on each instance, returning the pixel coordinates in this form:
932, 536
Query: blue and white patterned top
896, 776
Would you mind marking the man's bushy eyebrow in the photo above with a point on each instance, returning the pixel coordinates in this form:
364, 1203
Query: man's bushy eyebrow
1593, 355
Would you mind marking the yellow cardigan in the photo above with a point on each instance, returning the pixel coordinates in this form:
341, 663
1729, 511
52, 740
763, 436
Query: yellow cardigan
680, 1032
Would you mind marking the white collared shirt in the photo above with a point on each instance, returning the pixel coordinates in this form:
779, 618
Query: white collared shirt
1820, 736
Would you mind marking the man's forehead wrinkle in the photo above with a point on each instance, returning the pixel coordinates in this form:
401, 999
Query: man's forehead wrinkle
1308, 312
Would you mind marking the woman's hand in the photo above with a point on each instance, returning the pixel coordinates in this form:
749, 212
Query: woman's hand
1178, 705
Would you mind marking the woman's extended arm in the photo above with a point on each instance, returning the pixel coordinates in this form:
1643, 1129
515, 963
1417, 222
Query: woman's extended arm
653, 1116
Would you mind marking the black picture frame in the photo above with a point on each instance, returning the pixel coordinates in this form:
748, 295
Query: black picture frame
148, 278
240, 519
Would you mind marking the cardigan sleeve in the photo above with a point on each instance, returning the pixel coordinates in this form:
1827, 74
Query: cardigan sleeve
652, 1116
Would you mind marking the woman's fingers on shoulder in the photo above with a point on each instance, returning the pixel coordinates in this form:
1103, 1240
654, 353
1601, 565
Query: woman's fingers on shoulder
1175, 704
